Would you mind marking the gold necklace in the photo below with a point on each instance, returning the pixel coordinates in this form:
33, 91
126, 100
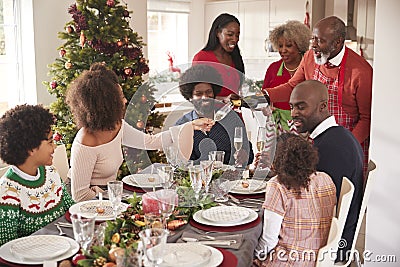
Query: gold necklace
289, 70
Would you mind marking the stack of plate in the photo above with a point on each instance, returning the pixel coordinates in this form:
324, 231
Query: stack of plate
36, 249
249, 186
225, 216
143, 180
93, 207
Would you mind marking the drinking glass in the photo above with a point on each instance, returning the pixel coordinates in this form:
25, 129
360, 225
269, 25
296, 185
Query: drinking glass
167, 199
261, 137
83, 228
218, 158
238, 140
115, 194
207, 166
154, 240
221, 188
166, 174
195, 173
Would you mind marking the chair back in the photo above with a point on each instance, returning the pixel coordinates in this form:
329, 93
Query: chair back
367, 193
345, 197
326, 255
60, 161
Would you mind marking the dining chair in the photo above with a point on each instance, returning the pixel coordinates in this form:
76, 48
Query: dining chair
354, 254
327, 254
343, 206
60, 161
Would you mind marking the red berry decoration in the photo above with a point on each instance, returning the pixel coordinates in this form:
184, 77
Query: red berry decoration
53, 85
143, 99
128, 71
110, 3
78, 257
120, 43
57, 136
140, 124
62, 52
70, 29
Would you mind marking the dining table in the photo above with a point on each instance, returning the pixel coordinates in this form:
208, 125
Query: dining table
239, 254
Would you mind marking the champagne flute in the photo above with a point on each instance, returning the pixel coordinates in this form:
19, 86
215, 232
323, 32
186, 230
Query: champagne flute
195, 173
238, 140
261, 138
115, 194
207, 166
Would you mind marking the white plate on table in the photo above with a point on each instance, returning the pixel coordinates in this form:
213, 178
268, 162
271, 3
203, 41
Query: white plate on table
254, 186
89, 208
143, 180
228, 214
7, 251
198, 217
191, 255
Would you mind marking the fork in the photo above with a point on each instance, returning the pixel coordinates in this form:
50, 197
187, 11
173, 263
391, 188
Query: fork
60, 230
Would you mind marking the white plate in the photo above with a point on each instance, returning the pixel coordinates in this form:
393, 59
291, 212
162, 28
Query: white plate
39, 247
89, 208
186, 254
215, 259
143, 180
198, 217
226, 214
255, 187
5, 252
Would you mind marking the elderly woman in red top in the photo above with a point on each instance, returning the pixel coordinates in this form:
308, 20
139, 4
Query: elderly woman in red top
292, 41
298, 207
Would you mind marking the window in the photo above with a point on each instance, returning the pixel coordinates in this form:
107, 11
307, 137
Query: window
11, 85
167, 26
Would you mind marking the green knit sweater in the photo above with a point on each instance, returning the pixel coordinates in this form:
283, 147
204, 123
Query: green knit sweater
26, 206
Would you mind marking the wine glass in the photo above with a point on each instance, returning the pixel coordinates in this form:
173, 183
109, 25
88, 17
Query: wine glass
166, 174
83, 228
238, 140
221, 188
154, 241
261, 138
195, 173
115, 194
207, 166
218, 158
167, 200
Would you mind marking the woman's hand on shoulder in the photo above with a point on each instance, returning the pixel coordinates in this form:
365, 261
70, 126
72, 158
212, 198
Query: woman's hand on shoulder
203, 124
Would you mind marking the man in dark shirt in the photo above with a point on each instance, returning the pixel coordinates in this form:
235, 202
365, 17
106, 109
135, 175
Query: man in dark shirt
199, 85
340, 154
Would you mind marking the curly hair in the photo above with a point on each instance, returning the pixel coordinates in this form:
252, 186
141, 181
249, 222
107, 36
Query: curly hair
22, 129
96, 99
218, 24
292, 30
199, 74
295, 160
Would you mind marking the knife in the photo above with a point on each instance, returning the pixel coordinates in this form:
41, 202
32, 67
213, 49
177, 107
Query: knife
209, 242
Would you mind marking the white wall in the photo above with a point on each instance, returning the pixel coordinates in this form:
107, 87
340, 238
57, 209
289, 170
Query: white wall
383, 216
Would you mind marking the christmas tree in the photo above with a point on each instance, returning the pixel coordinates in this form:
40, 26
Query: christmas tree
99, 32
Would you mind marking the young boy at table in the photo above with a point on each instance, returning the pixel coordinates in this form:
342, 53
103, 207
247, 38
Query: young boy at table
298, 206
32, 194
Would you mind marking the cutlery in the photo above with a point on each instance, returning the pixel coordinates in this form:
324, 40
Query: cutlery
216, 242
234, 199
60, 230
62, 224
252, 207
255, 201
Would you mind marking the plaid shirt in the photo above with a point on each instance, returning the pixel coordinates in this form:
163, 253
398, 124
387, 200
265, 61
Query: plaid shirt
306, 220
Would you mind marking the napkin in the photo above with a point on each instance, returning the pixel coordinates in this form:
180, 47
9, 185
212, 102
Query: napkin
237, 237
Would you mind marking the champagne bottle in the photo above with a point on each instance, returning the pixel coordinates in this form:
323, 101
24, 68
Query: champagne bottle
251, 101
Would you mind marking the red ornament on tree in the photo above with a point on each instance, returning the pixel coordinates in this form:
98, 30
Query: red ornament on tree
128, 71
120, 43
143, 99
57, 136
110, 3
53, 85
140, 124
62, 52
70, 29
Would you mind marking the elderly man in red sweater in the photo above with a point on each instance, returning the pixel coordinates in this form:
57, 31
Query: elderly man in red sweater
347, 75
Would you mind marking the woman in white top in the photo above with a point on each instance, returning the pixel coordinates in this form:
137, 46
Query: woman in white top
97, 103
